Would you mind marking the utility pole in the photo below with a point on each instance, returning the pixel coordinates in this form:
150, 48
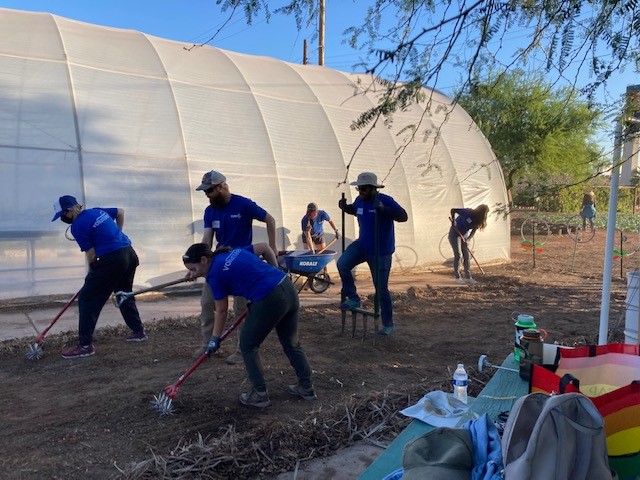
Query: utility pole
305, 59
321, 33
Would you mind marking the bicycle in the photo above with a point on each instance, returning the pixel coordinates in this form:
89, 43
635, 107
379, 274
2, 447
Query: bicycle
444, 247
404, 259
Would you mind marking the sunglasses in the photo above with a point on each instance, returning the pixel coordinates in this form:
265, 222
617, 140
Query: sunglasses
364, 188
210, 189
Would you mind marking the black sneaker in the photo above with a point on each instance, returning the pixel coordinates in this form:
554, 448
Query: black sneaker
255, 399
298, 390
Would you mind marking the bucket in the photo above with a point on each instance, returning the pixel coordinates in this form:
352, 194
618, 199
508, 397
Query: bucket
522, 322
631, 302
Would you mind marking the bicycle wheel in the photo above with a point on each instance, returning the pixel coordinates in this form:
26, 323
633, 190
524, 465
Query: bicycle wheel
404, 259
535, 227
319, 282
577, 233
444, 247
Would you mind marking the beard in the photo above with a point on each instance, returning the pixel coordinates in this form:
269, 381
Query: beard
217, 201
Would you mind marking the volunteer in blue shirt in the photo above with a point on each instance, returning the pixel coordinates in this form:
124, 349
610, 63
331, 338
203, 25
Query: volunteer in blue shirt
112, 266
312, 225
367, 203
467, 222
273, 304
228, 218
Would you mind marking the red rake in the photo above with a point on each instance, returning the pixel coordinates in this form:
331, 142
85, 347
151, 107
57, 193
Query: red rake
34, 351
163, 402
464, 240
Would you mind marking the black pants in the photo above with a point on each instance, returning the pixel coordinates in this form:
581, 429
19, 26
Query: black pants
110, 273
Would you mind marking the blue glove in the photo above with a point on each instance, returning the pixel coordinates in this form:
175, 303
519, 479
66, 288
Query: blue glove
213, 346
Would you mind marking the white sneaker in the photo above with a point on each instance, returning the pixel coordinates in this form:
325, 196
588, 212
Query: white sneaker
471, 281
460, 280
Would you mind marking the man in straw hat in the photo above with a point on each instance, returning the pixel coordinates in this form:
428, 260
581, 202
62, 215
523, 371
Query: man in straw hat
371, 207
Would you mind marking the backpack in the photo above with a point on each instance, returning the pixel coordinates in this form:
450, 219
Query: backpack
558, 437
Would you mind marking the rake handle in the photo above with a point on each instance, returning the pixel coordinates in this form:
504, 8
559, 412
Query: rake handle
120, 297
464, 240
172, 390
64, 309
329, 244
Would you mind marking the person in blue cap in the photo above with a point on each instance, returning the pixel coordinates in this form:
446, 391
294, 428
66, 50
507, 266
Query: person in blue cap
274, 305
112, 265
366, 206
312, 226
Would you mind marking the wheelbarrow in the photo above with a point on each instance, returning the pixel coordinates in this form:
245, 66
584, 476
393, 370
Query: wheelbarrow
305, 263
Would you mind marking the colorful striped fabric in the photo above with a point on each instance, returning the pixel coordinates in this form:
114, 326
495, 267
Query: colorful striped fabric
610, 376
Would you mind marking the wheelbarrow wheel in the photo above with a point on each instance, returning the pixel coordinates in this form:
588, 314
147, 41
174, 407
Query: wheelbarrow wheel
319, 282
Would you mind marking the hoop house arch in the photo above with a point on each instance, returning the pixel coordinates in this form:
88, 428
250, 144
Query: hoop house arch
118, 118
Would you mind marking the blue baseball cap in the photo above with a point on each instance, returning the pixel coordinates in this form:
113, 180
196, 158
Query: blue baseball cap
64, 203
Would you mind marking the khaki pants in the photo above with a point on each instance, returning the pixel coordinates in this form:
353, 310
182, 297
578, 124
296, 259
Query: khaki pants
207, 314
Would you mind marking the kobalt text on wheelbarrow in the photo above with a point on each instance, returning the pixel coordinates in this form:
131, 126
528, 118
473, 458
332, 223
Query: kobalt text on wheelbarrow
305, 263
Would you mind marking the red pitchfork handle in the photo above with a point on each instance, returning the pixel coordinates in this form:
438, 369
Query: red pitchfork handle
172, 390
464, 240
64, 309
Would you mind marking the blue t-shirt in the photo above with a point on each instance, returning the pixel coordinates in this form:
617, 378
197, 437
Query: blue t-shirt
316, 223
96, 228
241, 273
386, 228
464, 220
232, 224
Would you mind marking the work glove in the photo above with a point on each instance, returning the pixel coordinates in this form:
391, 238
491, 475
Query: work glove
337, 234
342, 203
213, 346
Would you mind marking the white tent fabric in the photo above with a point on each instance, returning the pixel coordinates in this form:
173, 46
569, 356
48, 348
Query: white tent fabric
118, 118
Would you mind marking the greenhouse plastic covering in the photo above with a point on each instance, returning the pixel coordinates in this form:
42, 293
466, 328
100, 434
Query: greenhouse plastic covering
118, 118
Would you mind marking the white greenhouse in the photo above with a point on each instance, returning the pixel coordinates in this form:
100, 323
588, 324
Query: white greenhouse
118, 118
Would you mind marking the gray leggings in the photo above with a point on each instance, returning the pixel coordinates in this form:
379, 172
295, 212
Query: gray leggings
279, 310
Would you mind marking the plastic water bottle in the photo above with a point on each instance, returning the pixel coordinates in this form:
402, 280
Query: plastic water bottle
460, 380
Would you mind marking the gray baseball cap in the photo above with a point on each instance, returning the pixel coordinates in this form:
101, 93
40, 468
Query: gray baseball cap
210, 179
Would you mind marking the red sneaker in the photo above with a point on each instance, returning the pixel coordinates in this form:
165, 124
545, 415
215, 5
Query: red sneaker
78, 351
136, 336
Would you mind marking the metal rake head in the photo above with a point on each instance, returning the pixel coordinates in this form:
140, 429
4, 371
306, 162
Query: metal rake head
163, 404
34, 352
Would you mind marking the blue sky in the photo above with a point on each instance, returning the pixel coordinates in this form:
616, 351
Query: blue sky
195, 21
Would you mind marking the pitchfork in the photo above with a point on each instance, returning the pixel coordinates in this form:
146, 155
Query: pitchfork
163, 402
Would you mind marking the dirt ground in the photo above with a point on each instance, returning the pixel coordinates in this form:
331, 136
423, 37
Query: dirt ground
91, 418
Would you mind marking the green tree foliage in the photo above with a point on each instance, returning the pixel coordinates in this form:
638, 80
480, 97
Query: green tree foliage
537, 132
411, 42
